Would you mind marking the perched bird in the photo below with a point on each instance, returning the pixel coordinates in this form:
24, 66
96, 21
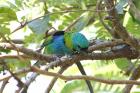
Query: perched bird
55, 45
66, 43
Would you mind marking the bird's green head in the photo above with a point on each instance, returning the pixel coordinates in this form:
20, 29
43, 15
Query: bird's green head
80, 43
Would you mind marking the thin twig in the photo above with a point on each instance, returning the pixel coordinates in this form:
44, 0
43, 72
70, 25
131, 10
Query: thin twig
19, 72
84, 77
20, 83
135, 76
28, 82
9, 56
72, 24
98, 7
31, 78
55, 79
104, 45
12, 44
28, 52
15, 41
4, 83
23, 24
118, 27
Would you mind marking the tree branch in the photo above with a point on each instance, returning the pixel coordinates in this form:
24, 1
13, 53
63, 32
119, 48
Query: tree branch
104, 44
68, 78
135, 76
28, 52
23, 24
19, 72
109, 29
72, 24
3, 85
16, 41
62, 69
118, 27
9, 56
126, 52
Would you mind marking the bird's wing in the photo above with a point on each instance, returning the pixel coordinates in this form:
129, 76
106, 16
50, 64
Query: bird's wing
47, 41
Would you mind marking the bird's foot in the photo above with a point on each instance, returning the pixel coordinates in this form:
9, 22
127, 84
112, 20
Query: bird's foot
66, 57
56, 58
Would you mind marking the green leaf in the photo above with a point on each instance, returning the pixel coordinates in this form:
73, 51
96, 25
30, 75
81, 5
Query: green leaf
75, 86
137, 3
4, 50
39, 26
83, 21
4, 30
81, 4
15, 64
59, 2
33, 38
131, 25
122, 63
12, 5
66, 19
135, 10
101, 32
7, 14
19, 3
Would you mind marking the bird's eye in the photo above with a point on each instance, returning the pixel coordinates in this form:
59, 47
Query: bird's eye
79, 47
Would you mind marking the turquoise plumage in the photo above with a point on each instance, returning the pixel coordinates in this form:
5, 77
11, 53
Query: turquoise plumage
76, 41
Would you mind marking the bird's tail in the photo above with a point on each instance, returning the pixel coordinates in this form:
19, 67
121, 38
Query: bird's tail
80, 67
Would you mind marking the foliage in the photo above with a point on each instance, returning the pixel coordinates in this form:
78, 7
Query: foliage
60, 14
